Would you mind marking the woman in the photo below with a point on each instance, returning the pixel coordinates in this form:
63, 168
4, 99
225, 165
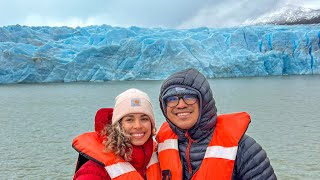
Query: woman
125, 149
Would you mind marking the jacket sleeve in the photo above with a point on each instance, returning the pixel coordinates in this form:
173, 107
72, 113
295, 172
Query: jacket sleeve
252, 161
91, 171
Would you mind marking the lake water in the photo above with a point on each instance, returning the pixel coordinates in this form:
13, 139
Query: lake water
39, 121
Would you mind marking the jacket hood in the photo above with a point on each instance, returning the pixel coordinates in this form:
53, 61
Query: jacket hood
192, 79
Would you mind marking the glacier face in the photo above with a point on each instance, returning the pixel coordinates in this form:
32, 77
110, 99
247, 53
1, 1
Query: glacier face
103, 53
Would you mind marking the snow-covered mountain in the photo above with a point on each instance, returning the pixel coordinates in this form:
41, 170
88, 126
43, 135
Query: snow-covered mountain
287, 15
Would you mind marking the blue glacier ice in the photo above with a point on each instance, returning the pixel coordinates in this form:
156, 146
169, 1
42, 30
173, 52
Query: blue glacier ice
104, 53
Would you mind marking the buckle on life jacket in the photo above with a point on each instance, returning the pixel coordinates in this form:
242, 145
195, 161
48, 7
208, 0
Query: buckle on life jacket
166, 174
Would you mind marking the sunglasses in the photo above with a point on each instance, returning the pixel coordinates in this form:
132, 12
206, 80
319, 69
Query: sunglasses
173, 101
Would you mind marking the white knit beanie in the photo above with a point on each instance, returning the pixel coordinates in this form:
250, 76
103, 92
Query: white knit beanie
132, 101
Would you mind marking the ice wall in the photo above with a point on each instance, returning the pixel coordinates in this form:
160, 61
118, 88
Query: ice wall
103, 53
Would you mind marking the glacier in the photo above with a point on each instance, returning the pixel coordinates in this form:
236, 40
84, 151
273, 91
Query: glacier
105, 53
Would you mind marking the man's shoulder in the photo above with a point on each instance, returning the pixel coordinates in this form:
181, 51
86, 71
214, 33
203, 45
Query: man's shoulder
247, 143
252, 161
246, 140
250, 153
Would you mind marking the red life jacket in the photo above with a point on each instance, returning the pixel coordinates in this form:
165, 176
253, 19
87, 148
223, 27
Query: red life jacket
89, 145
220, 154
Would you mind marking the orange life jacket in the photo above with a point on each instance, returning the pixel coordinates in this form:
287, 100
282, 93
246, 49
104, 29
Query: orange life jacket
90, 145
220, 154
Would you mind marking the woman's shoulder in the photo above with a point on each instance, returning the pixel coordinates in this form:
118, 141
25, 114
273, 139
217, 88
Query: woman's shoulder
91, 170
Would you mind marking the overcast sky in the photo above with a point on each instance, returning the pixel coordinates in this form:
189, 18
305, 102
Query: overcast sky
142, 13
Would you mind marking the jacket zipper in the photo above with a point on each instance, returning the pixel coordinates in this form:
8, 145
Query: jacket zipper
190, 141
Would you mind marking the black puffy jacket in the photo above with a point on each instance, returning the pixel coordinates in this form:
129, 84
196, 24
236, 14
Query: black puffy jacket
251, 161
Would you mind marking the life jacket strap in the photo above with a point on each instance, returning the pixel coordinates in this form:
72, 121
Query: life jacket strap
166, 174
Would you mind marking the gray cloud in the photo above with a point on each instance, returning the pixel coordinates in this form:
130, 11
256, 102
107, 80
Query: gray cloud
144, 13
230, 13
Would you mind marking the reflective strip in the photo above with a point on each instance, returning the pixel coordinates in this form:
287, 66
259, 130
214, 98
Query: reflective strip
118, 169
221, 152
153, 160
168, 144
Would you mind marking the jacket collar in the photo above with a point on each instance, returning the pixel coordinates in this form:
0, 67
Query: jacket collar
141, 156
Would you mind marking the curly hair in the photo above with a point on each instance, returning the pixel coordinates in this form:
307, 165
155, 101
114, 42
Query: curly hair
117, 141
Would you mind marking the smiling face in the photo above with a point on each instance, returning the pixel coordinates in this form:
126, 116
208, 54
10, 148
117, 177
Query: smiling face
183, 115
138, 126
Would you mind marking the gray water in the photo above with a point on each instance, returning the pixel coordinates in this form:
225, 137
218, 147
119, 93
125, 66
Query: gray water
39, 121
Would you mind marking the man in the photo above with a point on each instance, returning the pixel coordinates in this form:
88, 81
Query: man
195, 143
